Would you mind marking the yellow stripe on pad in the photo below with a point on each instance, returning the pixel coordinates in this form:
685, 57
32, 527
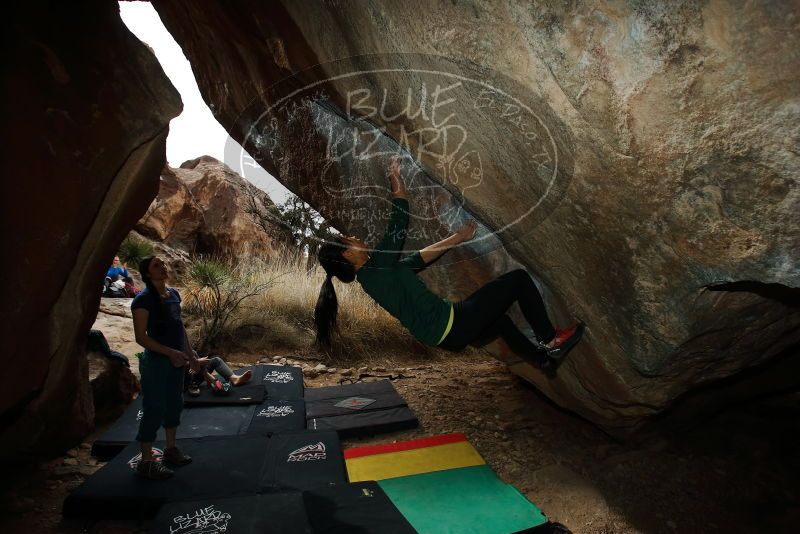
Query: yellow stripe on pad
413, 462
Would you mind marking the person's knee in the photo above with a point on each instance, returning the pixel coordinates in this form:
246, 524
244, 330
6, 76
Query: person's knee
172, 420
215, 362
148, 426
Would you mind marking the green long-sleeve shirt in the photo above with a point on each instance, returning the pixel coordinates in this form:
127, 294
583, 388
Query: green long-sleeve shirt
394, 284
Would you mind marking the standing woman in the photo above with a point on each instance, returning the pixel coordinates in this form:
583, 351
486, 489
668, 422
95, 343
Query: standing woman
435, 321
159, 329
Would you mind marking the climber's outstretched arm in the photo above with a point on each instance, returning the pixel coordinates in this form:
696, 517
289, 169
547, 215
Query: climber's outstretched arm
432, 252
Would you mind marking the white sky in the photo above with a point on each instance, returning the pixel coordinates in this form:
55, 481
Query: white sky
194, 132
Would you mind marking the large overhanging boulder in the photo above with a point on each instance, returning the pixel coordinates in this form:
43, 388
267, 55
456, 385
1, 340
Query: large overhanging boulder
86, 113
641, 160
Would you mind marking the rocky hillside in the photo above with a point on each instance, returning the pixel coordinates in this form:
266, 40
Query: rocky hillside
202, 208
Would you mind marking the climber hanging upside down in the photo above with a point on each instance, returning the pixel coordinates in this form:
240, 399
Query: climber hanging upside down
435, 321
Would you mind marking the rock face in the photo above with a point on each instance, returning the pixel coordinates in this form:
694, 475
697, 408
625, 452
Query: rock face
86, 112
201, 208
640, 160
113, 384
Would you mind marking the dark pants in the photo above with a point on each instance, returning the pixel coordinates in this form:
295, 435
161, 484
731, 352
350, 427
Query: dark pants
481, 317
162, 395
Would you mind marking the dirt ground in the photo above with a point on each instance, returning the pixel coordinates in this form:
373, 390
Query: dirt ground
736, 472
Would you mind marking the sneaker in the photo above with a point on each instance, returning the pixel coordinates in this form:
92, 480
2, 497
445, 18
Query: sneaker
557, 353
541, 361
153, 470
193, 390
174, 456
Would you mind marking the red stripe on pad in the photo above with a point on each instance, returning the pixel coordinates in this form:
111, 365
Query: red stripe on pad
369, 450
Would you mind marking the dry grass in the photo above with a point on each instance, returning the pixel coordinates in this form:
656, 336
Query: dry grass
282, 317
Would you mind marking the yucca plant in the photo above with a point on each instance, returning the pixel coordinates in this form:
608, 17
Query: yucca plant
216, 288
134, 249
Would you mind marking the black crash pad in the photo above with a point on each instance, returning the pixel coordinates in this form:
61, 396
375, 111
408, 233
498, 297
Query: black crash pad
195, 423
221, 467
277, 415
361, 507
282, 381
366, 423
244, 394
358, 409
273, 513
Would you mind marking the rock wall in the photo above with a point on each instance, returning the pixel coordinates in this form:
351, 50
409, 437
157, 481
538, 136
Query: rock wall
201, 208
633, 156
86, 109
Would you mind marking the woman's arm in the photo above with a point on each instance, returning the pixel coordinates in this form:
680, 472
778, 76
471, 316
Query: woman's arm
189, 352
140, 315
388, 250
432, 252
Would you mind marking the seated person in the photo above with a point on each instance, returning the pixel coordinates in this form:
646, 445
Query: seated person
208, 366
117, 270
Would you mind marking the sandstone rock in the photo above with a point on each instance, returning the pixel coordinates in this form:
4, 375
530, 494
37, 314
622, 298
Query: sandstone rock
118, 307
201, 208
667, 132
114, 386
89, 108
310, 373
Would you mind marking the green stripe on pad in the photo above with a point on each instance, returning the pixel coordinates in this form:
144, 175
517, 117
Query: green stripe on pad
468, 500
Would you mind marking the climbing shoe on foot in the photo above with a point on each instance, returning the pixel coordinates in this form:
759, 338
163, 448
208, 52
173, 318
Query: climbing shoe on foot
153, 470
557, 353
174, 456
563, 335
548, 367
193, 390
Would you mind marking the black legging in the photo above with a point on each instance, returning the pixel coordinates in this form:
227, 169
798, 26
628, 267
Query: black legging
482, 317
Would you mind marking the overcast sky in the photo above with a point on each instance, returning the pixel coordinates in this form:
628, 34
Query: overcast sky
194, 132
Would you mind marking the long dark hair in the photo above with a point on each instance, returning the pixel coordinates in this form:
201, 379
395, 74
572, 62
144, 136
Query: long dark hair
331, 259
144, 271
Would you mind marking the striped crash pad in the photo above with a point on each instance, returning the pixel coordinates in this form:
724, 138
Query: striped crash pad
441, 484
379, 462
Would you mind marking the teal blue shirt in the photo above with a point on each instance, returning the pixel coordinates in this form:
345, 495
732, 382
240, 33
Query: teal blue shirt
395, 286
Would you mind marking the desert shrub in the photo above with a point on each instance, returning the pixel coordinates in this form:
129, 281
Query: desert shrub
134, 249
215, 289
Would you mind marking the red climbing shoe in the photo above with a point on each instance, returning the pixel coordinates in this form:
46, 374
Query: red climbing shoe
563, 335
559, 351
